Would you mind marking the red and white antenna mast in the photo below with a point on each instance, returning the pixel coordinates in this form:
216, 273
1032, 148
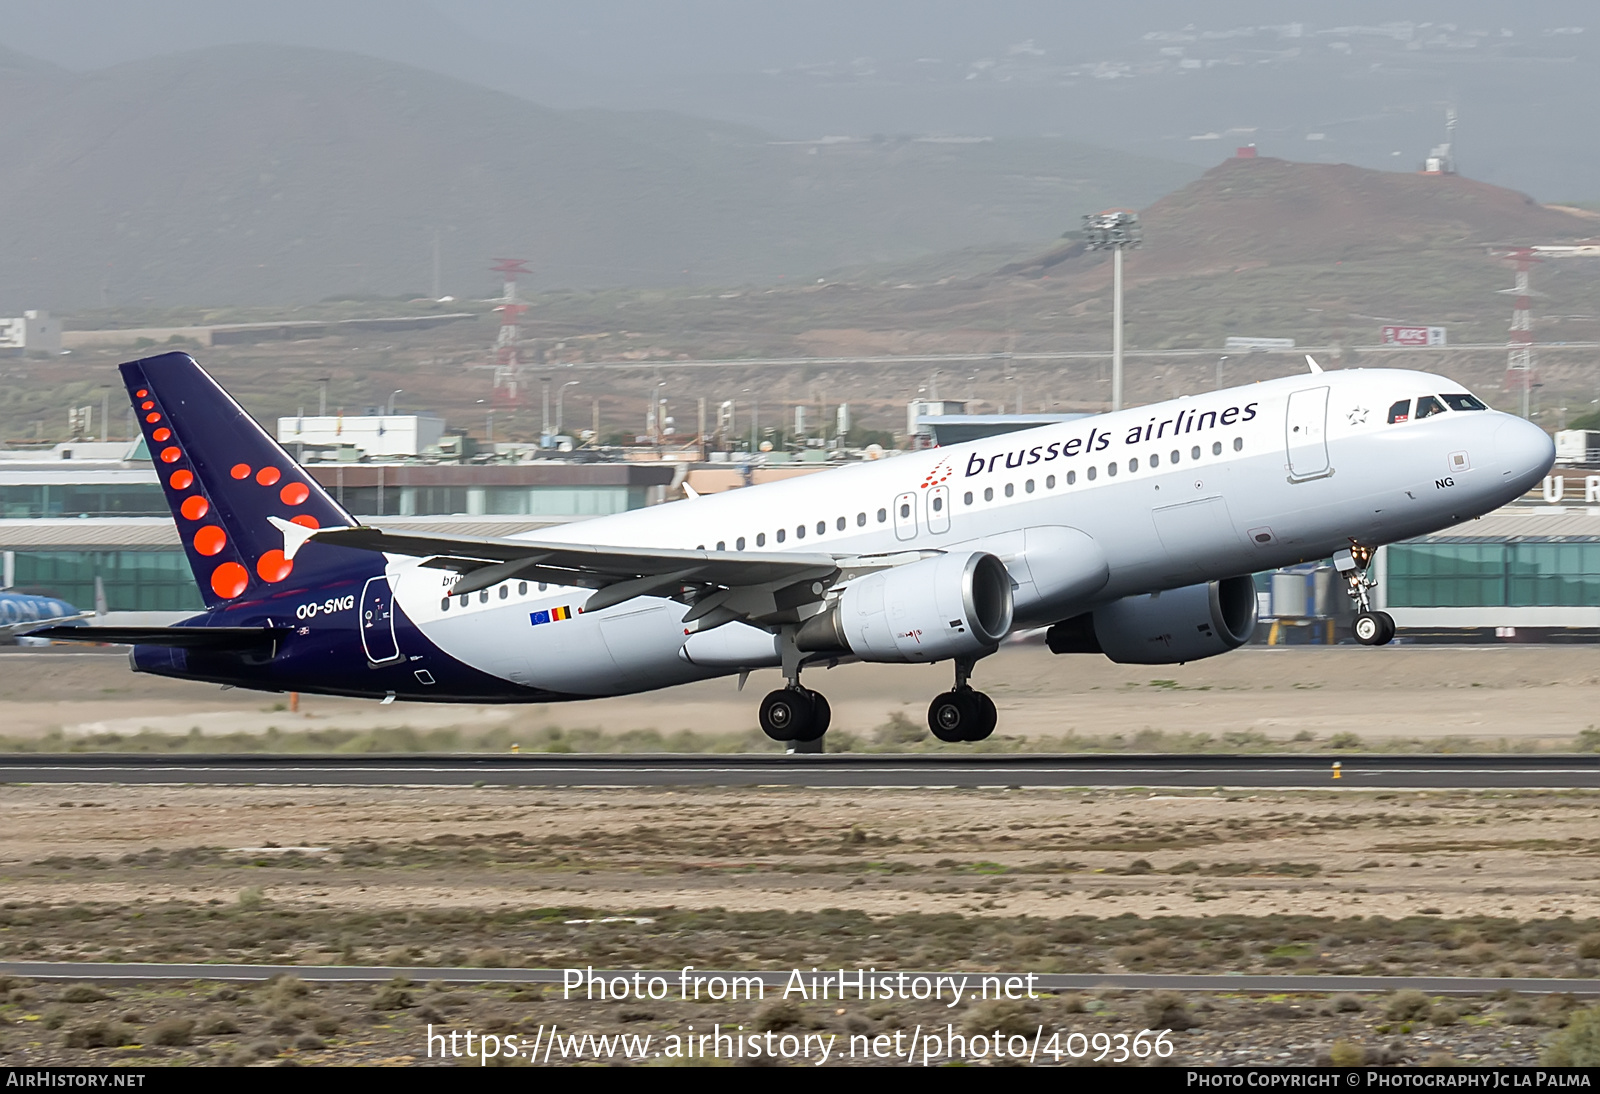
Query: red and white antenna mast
1520, 376
506, 363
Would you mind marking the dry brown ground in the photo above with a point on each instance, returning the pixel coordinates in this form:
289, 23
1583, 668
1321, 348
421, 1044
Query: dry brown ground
1492, 884
884, 851
1532, 695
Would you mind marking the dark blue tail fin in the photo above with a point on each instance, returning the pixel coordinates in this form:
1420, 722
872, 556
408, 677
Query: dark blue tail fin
224, 476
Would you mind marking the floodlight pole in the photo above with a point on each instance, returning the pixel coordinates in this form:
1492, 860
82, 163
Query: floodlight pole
1114, 230
1116, 329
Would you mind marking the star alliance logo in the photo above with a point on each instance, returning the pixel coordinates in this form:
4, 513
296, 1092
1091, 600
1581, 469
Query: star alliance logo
1358, 416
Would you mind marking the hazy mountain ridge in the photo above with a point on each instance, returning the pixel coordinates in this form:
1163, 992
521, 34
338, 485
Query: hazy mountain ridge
279, 174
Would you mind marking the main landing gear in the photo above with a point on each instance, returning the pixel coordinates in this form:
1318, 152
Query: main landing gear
962, 714
1371, 628
795, 715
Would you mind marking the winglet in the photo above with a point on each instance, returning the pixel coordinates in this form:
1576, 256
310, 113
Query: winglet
1312, 361
294, 535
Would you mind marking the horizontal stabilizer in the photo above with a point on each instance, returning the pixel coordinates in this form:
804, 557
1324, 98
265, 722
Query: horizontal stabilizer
221, 639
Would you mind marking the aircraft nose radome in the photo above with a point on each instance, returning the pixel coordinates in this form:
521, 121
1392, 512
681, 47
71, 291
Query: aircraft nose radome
1526, 452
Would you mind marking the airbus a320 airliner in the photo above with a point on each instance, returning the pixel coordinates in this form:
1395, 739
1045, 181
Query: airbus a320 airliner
1130, 534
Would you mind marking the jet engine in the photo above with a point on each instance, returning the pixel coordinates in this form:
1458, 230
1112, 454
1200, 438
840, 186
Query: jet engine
954, 605
1164, 628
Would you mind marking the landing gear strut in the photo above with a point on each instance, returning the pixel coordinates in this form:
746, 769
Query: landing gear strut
962, 714
794, 714
1371, 628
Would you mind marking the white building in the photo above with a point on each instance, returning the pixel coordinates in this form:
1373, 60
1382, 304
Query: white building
32, 331
376, 435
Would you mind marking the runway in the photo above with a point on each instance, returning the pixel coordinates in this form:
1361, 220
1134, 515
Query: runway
775, 980
1552, 771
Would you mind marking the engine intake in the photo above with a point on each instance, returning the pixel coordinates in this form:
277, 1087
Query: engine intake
955, 605
1164, 628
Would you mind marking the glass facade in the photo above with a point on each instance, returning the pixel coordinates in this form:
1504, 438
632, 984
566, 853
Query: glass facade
134, 499
157, 580
1515, 574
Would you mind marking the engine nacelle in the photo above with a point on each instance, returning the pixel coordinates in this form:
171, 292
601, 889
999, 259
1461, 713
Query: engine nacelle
1164, 628
955, 605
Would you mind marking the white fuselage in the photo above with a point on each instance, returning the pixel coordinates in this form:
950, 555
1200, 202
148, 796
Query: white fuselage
1204, 487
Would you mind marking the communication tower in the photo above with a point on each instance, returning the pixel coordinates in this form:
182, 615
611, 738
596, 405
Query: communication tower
506, 363
1519, 342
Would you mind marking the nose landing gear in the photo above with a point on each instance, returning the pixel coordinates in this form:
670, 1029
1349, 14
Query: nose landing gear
1371, 628
962, 714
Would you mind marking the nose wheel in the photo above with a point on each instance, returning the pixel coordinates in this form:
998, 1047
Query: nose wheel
1371, 628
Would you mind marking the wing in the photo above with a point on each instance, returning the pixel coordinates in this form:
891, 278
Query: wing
720, 586
20, 630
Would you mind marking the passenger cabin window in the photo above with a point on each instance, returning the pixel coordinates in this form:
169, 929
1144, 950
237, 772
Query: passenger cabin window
883, 515
1463, 402
761, 539
800, 532
1428, 406
1400, 412
738, 544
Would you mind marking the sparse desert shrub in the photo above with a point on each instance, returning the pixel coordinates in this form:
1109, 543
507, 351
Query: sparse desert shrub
1347, 1054
1589, 946
98, 1035
1408, 1006
215, 1025
54, 1018
250, 898
899, 730
1168, 1010
1579, 1044
170, 1031
777, 1015
1007, 1016
1346, 1004
391, 997
83, 993
1445, 1014
1073, 1004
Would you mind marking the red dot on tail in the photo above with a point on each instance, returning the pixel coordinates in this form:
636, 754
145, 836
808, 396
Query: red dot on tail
162, 434
240, 471
182, 480
194, 507
152, 417
210, 540
295, 493
147, 405
141, 393
229, 580
170, 455
305, 520
268, 475
273, 566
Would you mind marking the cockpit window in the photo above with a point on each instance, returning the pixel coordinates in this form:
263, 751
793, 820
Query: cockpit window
1400, 412
1428, 406
1463, 402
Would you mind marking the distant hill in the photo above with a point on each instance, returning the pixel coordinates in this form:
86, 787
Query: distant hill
267, 174
1246, 213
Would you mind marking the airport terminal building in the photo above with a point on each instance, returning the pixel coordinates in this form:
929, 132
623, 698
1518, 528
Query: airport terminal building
80, 511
